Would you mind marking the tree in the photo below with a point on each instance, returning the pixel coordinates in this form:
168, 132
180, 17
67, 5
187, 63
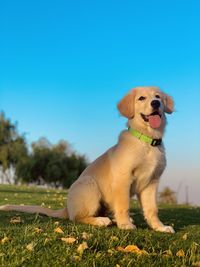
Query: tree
12, 147
54, 165
167, 196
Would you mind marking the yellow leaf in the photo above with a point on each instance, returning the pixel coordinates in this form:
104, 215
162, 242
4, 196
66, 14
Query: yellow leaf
180, 253
30, 246
117, 265
16, 220
185, 236
57, 223
86, 235
120, 249
196, 264
58, 230
5, 240
167, 253
68, 240
132, 249
82, 247
38, 230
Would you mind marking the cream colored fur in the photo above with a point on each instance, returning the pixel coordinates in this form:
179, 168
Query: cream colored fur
128, 168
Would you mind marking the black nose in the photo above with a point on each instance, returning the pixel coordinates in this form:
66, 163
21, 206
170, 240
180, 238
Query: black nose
155, 104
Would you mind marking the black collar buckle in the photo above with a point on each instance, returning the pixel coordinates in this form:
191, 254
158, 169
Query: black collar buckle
156, 142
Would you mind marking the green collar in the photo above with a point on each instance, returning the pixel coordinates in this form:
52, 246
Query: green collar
145, 138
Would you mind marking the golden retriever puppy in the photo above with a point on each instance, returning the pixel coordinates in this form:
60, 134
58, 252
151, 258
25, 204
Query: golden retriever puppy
133, 166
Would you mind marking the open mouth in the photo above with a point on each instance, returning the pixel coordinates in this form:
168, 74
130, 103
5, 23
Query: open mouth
154, 119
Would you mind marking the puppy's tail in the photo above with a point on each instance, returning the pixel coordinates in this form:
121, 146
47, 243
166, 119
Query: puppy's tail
37, 209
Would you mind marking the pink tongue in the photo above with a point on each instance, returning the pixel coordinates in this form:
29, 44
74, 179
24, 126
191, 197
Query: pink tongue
154, 121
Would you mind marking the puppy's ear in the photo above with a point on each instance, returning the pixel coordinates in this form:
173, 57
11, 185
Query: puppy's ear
127, 105
169, 104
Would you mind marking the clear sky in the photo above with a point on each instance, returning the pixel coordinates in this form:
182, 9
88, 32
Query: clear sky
65, 64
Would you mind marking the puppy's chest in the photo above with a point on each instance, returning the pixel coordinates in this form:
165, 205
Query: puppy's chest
150, 165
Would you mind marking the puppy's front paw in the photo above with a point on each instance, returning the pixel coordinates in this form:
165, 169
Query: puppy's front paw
166, 229
127, 226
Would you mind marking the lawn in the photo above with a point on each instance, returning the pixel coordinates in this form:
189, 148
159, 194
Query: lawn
35, 240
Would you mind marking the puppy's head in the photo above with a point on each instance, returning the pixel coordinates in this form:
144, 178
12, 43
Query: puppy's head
145, 107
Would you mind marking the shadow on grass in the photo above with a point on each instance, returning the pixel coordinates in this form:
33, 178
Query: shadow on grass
179, 217
26, 219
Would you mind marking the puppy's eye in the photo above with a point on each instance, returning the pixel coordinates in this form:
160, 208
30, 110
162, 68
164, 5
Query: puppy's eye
142, 98
157, 96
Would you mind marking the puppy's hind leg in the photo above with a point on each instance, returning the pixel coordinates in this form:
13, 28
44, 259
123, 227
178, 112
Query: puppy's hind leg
83, 202
98, 221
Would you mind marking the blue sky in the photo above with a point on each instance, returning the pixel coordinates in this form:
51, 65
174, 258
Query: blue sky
65, 64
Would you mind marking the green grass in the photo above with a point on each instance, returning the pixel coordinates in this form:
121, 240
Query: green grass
47, 248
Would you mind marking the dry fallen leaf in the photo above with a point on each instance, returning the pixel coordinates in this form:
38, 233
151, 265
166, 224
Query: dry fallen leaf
58, 230
185, 236
5, 240
16, 220
82, 247
167, 253
38, 230
132, 249
86, 235
68, 240
196, 264
180, 253
30, 246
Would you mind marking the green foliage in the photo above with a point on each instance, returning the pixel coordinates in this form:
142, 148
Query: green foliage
56, 165
12, 146
21, 244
